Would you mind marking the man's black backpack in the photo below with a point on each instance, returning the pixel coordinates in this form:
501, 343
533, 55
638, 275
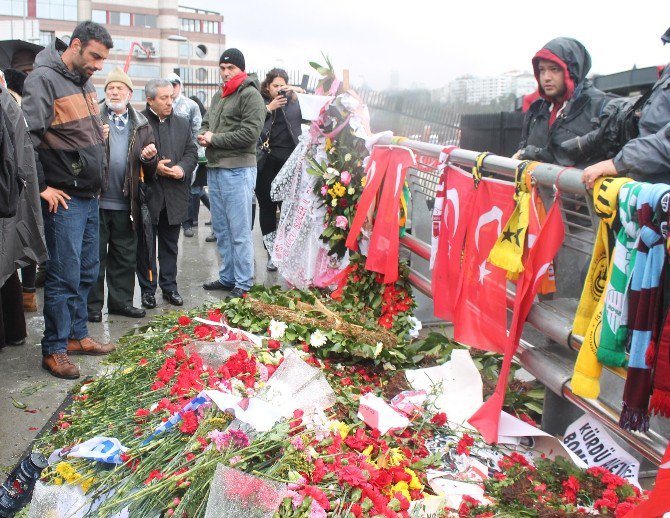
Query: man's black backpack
9, 169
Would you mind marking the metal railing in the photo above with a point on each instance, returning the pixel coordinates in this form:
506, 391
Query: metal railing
539, 360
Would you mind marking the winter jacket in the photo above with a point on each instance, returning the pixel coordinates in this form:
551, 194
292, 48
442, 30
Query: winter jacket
174, 141
580, 114
21, 236
185, 107
283, 126
61, 108
647, 158
141, 135
236, 122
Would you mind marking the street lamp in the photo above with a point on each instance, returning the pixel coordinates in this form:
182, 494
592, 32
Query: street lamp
182, 39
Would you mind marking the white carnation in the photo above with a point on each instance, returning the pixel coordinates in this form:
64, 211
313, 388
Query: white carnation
277, 329
317, 339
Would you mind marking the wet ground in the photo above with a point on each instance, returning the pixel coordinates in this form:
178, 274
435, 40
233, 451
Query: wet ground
23, 381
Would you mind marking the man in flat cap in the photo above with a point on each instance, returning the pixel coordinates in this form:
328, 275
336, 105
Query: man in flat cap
130, 149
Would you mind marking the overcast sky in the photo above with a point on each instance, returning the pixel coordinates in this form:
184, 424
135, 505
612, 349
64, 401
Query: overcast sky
430, 42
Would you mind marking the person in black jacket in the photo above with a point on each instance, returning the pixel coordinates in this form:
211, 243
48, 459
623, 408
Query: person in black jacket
170, 192
278, 140
568, 107
647, 157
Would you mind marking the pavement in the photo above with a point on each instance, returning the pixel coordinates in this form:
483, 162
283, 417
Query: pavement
23, 381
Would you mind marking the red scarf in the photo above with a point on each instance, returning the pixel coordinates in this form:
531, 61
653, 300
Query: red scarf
233, 84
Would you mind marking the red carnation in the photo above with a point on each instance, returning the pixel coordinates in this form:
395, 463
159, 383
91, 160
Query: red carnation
189, 422
439, 419
183, 320
273, 345
463, 446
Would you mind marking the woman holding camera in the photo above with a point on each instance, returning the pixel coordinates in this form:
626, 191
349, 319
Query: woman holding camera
277, 141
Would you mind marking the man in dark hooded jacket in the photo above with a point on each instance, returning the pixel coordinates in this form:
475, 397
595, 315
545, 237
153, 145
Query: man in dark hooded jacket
568, 107
646, 158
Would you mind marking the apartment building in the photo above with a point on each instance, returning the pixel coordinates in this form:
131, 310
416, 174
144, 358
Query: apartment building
160, 36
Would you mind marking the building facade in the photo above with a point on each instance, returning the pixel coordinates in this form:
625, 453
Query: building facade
483, 90
160, 35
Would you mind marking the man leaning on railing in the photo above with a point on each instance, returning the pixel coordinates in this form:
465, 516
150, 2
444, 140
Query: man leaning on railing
646, 158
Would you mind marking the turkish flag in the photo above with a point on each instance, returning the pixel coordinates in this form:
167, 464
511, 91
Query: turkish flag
385, 238
480, 318
456, 193
374, 173
538, 262
659, 500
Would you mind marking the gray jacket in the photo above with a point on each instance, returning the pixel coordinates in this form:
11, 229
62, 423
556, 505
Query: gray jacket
647, 158
21, 236
185, 107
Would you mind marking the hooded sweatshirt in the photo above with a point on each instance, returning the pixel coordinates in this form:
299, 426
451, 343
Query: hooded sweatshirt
549, 123
61, 109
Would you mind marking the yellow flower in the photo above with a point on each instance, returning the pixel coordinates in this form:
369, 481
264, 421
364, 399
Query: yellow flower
367, 451
128, 370
395, 456
86, 484
58, 481
403, 488
339, 189
364, 180
65, 469
329, 144
414, 483
341, 427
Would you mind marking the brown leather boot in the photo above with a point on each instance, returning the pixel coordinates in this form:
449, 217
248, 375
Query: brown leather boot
59, 365
88, 346
29, 302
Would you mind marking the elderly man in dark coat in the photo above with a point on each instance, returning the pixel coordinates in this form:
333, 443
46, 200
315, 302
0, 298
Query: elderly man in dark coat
170, 192
21, 227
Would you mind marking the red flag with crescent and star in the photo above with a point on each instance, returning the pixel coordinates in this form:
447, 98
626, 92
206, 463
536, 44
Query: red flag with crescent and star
480, 318
456, 193
539, 261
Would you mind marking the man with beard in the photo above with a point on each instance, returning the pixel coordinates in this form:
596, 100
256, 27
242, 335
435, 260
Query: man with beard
130, 148
61, 109
568, 105
170, 192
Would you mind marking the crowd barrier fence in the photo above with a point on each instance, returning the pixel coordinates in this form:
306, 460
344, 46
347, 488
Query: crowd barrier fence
547, 349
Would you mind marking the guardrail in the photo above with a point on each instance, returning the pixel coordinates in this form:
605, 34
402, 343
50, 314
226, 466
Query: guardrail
553, 319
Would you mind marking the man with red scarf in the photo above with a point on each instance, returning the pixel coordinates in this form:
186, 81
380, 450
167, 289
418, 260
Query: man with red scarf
229, 132
568, 105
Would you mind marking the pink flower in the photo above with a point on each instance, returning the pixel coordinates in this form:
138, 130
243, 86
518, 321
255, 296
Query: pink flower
341, 222
324, 190
345, 178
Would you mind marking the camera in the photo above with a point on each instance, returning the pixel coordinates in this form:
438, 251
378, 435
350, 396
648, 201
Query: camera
285, 93
617, 125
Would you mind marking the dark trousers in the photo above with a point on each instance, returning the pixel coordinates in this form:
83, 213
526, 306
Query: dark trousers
197, 194
12, 319
118, 245
267, 209
28, 274
168, 237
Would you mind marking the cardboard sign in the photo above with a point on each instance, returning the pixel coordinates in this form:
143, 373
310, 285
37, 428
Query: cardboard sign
589, 440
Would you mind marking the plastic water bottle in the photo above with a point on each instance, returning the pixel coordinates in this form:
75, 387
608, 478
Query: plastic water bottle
18, 488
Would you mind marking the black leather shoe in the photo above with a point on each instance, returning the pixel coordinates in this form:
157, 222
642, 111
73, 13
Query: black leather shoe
217, 285
95, 316
148, 300
128, 311
173, 298
237, 293
210, 238
188, 232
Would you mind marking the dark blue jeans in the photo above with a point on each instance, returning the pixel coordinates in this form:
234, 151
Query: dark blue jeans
72, 268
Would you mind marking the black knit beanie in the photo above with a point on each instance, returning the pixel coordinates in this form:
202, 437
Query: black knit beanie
233, 56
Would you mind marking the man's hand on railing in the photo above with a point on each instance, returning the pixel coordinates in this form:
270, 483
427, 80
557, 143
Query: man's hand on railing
595, 171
